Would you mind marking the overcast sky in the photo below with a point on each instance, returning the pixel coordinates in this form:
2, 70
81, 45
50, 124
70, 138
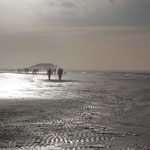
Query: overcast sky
76, 34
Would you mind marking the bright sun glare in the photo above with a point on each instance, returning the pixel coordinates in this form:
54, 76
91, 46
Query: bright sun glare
13, 85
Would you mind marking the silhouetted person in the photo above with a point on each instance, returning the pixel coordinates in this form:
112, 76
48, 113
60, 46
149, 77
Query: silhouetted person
35, 71
49, 73
26, 70
60, 72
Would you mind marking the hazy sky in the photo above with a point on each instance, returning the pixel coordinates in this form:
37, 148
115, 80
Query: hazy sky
76, 34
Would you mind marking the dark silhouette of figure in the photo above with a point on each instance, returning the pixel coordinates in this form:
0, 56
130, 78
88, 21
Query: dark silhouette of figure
60, 73
26, 70
35, 71
49, 73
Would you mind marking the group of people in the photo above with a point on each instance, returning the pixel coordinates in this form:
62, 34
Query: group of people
59, 72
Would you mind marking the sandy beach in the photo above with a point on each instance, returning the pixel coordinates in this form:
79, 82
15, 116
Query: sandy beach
74, 75
109, 113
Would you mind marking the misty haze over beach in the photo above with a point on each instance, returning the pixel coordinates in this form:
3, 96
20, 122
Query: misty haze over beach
76, 34
74, 75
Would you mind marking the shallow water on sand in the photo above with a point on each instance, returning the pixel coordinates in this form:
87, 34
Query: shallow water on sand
86, 110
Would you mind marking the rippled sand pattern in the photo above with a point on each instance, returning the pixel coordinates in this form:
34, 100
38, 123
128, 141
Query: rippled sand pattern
61, 124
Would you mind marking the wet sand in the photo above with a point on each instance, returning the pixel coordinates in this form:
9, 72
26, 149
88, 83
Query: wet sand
114, 116
69, 125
